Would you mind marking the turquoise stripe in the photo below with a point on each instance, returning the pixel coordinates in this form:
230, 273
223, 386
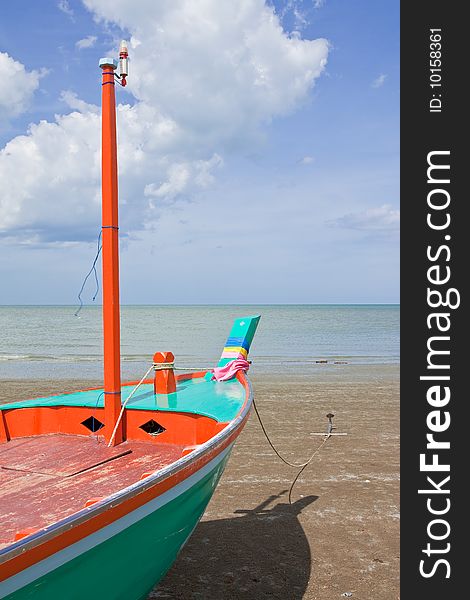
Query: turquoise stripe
243, 329
219, 400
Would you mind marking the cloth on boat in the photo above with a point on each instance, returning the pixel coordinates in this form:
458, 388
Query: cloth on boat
229, 370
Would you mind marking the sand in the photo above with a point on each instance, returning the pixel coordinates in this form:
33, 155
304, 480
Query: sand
341, 533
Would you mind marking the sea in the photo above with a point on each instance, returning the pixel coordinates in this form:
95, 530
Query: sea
51, 342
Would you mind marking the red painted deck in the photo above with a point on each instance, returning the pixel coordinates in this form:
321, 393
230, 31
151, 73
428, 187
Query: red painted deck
67, 456
46, 478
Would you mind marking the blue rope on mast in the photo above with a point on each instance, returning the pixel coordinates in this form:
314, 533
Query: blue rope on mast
92, 270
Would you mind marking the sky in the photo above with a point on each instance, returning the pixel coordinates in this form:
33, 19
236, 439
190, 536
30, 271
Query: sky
258, 150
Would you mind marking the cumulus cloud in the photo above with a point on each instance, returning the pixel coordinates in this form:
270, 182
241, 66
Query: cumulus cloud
380, 219
47, 192
307, 160
379, 81
87, 42
18, 87
53, 172
219, 69
204, 78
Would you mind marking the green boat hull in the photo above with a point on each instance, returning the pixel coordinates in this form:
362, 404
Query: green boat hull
129, 564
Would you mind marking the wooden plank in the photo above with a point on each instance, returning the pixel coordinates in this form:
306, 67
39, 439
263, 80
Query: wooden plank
32, 500
58, 455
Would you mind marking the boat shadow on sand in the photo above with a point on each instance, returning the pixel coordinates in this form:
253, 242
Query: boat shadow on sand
262, 554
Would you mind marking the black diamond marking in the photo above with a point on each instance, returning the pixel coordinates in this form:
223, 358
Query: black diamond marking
92, 424
152, 427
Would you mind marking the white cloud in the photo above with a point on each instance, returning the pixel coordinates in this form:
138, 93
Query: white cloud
318, 3
379, 81
64, 6
380, 219
18, 87
51, 176
307, 160
75, 103
205, 79
219, 70
179, 175
87, 42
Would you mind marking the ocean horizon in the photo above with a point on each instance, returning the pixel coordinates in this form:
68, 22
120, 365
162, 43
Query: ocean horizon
49, 341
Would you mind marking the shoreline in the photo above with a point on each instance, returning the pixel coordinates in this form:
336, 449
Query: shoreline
24, 387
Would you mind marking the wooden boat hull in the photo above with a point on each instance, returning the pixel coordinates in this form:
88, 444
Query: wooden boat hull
86, 520
121, 546
128, 557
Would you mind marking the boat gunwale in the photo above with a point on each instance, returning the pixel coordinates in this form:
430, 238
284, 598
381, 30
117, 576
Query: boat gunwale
182, 377
52, 531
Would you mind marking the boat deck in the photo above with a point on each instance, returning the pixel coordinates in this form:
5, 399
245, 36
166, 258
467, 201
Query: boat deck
42, 482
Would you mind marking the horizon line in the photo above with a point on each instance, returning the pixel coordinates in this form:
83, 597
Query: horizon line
222, 304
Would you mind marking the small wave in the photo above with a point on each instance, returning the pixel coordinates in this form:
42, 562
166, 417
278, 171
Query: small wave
47, 358
13, 356
69, 358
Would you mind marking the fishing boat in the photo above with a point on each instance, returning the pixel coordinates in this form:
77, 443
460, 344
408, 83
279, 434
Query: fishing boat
101, 488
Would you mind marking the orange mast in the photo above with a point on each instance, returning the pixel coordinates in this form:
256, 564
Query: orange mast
110, 252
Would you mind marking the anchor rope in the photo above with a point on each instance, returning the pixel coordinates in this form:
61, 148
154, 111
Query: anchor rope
301, 466
284, 460
327, 437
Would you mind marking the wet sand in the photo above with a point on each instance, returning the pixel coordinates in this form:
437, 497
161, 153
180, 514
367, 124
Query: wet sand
341, 533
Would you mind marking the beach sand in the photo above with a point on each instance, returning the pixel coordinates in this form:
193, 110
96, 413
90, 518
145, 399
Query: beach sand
341, 533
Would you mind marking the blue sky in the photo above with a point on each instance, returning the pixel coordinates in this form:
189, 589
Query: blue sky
259, 150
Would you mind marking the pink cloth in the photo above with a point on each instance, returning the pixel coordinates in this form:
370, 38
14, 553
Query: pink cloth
230, 369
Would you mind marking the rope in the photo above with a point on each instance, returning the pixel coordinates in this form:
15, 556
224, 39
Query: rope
164, 366
327, 437
92, 270
300, 466
124, 406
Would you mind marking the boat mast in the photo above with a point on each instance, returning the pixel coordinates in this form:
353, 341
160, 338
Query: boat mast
110, 254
